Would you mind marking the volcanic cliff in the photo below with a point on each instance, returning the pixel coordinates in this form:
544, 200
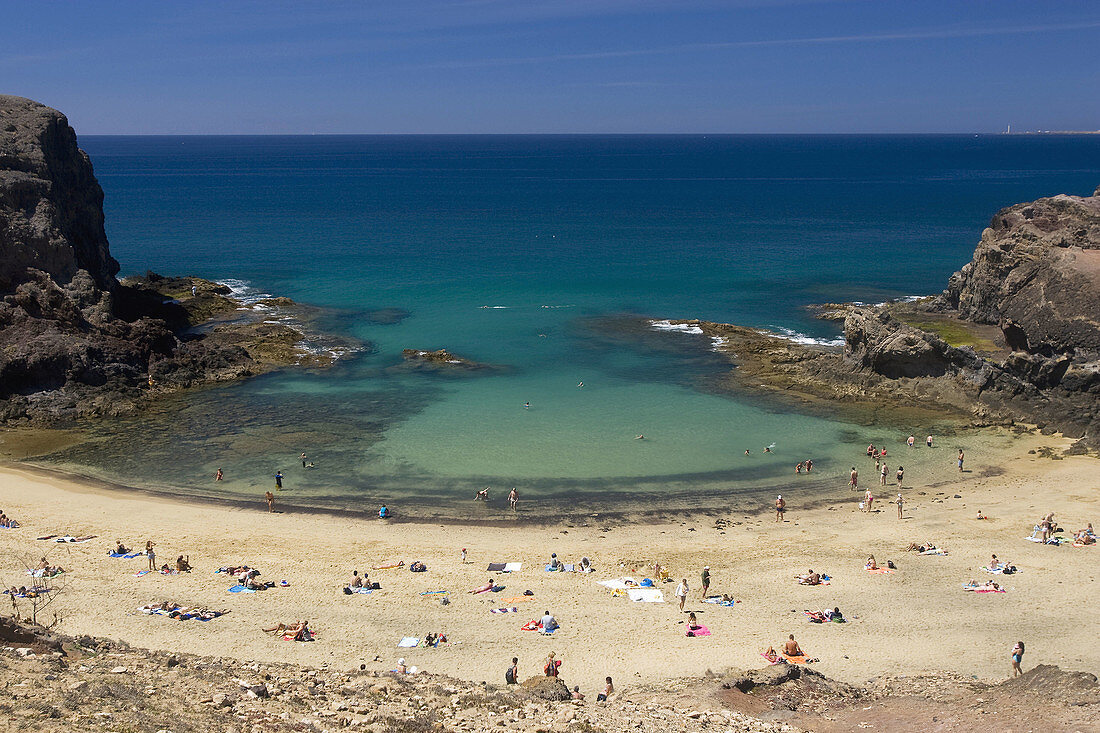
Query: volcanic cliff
1014, 337
74, 341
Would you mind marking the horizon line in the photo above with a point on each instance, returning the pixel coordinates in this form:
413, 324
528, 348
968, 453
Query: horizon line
977, 133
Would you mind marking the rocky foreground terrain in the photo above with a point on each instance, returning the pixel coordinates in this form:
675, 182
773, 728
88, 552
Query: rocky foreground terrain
57, 683
76, 342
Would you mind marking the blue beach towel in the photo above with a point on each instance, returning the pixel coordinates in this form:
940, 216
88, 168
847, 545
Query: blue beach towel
241, 589
119, 554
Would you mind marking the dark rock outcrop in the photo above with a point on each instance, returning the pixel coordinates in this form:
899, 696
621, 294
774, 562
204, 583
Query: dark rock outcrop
1036, 272
74, 341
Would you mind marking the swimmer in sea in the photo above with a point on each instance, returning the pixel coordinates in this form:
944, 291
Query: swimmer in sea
527, 405
639, 437
482, 495
580, 384
767, 450
746, 451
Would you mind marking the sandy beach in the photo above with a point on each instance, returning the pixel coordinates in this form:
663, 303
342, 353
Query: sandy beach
918, 619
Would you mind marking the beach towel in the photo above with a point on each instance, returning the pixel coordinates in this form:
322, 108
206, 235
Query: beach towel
409, 641
241, 589
120, 554
390, 565
530, 626
717, 600
569, 568
496, 567
140, 573
880, 571
646, 583
517, 599
1001, 571
42, 574
1052, 541
552, 569
359, 591
308, 636
513, 567
987, 590
30, 592
936, 551
69, 538
770, 660
823, 582
697, 631
645, 595
618, 583
504, 610
433, 592
800, 659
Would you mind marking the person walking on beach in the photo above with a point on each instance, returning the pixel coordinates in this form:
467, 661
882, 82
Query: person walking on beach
780, 507
218, 475
854, 480
463, 555
868, 499
929, 441
899, 501
900, 475
511, 677
303, 457
682, 592
278, 480
270, 501
706, 580
961, 460
151, 553
882, 474
1017, 658
513, 498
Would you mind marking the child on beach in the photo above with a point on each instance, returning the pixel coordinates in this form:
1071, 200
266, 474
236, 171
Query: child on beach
780, 507
1017, 657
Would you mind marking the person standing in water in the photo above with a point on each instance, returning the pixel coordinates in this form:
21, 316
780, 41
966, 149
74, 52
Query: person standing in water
303, 460
854, 480
900, 475
278, 480
882, 476
513, 498
929, 441
218, 475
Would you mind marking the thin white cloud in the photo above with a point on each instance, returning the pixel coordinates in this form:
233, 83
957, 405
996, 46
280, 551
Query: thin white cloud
863, 38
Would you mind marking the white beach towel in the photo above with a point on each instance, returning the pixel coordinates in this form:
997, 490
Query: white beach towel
513, 567
645, 595
617, 583
409, 641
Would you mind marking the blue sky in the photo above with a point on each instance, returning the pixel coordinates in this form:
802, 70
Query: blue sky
590, 66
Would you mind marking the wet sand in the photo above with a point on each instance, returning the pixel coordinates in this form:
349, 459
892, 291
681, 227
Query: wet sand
917, 619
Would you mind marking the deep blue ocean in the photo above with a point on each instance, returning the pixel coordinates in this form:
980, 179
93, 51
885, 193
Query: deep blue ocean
572, 241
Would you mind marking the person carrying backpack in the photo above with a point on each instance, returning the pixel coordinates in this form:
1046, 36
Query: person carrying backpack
511, 677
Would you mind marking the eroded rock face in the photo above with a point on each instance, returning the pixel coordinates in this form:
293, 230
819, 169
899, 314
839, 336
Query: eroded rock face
50, 202
73, 340
1036, 272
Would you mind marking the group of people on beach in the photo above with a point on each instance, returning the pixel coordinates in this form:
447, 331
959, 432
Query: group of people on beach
7, 522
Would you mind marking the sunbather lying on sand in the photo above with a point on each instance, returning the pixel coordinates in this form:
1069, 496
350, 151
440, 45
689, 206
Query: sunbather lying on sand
871, 564
121, 549
811, 578
975, 585
489, 585
1084, 538
914, 547
771, 655
299, 630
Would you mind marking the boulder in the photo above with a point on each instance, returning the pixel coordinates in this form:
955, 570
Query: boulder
547, 688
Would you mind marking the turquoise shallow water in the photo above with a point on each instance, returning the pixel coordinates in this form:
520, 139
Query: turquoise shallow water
573, 242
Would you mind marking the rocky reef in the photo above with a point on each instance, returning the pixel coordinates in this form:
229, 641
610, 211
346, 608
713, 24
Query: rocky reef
74, 341
1014, 337
442, 360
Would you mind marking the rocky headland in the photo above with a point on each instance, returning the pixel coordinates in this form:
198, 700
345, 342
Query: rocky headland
74, 340
1015, 337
